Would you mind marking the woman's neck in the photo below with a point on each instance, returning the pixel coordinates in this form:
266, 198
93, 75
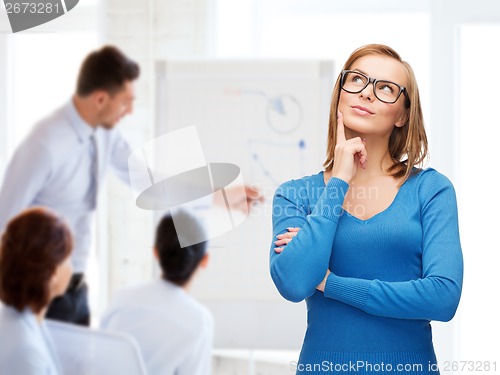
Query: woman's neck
379, 159
40, 315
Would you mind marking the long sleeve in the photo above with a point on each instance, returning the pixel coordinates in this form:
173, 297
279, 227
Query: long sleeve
28, 171
302, 264
434, 296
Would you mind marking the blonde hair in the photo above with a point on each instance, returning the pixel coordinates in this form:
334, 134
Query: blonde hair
407, 144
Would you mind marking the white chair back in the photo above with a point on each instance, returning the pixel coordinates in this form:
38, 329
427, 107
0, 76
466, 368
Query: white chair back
85, 351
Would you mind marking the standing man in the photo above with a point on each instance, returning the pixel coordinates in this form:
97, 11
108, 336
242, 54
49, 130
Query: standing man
64, 159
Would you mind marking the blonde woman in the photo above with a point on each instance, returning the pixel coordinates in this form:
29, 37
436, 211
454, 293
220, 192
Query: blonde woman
372, 242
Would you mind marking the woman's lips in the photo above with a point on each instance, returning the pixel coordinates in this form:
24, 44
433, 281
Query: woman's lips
362, 110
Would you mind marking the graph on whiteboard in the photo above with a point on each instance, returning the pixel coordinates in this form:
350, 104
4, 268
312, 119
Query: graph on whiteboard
267, 117
283, 111
283, 116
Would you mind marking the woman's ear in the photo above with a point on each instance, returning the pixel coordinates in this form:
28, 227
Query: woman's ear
156, 254
403, 119
53, 278
60, 278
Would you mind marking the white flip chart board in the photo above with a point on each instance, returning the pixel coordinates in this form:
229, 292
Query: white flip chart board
270, 118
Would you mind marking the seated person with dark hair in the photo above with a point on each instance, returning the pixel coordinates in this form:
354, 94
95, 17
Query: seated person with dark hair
35, 268
174, 331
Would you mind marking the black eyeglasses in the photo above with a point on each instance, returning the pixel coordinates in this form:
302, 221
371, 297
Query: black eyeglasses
386, 91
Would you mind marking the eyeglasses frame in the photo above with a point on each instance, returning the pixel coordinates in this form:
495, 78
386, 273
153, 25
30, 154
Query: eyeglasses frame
374, 81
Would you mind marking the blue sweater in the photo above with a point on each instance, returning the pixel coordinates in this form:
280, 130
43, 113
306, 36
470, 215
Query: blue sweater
391, 274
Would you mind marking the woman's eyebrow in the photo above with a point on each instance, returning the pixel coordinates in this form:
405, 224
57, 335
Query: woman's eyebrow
381, 79
359, 70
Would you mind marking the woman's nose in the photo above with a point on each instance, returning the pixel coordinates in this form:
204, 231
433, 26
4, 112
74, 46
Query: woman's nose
367, 92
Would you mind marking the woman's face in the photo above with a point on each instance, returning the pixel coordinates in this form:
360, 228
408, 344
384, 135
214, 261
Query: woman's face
61, 277
365, 114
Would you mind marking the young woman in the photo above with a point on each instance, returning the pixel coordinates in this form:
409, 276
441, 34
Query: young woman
372, 243
35, 267
173, 330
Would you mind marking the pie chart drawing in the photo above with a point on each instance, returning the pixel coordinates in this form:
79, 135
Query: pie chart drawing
284, 113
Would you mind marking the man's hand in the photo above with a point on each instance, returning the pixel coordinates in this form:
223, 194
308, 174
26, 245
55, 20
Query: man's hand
240, 197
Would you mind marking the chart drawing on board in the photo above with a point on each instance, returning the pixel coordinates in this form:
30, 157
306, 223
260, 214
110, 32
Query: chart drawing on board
268, 158
284, 116
284, 112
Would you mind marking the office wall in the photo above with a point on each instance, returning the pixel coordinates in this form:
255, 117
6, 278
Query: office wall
479, 201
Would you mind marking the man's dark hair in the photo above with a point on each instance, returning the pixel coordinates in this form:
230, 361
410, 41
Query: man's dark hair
105, 69
179, 263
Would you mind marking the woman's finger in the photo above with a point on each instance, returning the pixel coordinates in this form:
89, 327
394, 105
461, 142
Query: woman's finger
285, 238
357, 146
286, 235
363, 156
340, 128
283, 241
